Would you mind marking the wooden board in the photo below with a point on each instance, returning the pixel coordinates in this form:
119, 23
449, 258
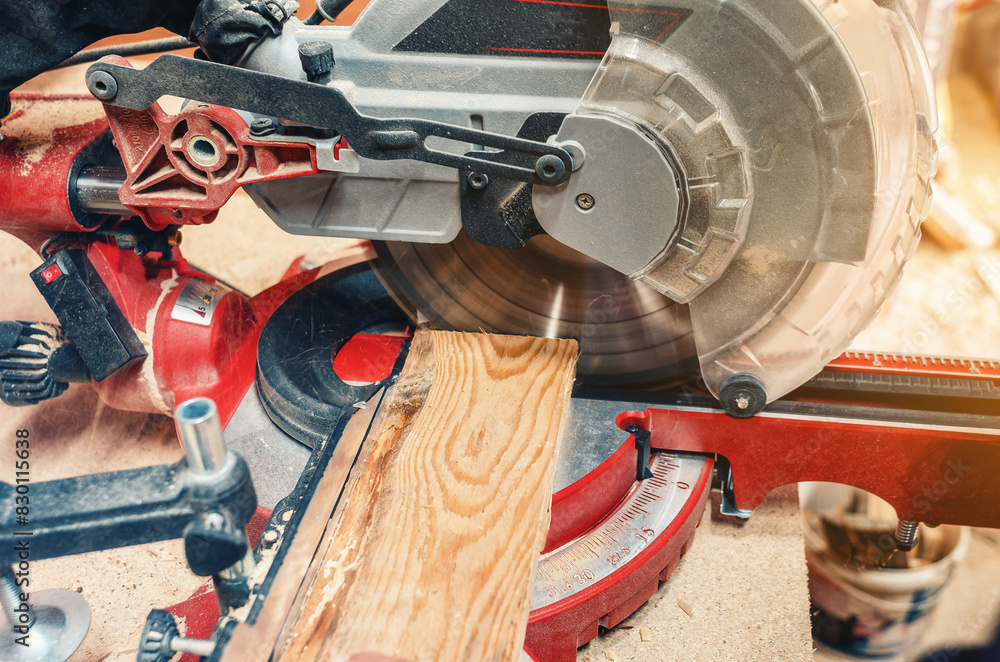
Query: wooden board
436, 552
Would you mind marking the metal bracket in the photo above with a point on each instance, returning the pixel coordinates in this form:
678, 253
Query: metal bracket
643, 444
322, 106
124, 508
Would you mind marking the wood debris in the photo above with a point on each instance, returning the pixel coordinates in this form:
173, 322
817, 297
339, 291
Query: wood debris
686, 606
645, 635
611, 654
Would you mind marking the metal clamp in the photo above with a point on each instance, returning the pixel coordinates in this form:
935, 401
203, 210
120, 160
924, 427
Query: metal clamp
102, 511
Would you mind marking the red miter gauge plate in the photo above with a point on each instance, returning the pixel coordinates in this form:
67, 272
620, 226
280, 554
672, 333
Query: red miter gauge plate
583, 503
915, 365
605, 574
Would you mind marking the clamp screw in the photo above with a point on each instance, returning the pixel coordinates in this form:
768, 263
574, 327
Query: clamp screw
10, 599
161, 640
58, 621
478, 181
585, 201
906, 535
263, 126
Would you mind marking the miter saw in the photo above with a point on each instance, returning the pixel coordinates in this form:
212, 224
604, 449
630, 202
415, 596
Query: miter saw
713, 197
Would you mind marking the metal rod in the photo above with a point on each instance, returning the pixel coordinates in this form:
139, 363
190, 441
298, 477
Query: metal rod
242, 569
129, 50
200, 431
199, 647
328, 10
10, 599
97, 191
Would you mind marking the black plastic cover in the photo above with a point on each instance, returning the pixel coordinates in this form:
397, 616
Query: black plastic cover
89, 315
295, 379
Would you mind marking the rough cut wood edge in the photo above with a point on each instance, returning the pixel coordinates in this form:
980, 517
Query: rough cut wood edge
435, 556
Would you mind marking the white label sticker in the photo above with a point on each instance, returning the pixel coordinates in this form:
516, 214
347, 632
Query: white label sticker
198, 301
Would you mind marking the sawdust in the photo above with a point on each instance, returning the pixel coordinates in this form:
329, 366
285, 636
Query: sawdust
727, 567
260, 572
16, 255
760, 259
148, 376
35, 123
942, 306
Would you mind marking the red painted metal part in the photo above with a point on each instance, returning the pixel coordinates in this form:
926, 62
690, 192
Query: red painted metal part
368, 358
555, 632
186, 360
44, 139
181, 169
938, 475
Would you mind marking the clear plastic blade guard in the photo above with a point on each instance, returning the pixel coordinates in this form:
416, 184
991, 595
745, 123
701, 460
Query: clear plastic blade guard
805, 132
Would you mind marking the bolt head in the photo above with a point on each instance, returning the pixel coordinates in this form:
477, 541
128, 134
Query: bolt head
263, 126
478, 181
742, 396
550, 169
102, 85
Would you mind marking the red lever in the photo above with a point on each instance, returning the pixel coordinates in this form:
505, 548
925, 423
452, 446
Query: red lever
181, 169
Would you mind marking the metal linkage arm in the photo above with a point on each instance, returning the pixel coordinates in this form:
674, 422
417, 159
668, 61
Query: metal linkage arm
323, 106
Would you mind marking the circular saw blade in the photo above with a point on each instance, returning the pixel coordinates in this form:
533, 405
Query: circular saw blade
629, 335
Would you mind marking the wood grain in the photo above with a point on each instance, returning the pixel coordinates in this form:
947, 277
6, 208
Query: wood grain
435, 555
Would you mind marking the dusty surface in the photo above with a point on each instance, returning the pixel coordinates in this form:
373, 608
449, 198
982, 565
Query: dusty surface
738, 594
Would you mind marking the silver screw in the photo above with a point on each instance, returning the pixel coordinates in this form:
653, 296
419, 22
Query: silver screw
199, 647
742, 401
906, 535
10, 598
585, 201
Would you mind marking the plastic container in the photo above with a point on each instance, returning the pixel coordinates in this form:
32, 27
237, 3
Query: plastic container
867, 613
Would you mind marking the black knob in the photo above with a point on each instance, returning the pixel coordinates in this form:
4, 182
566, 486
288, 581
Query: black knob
317, 60
160, 630
27, 352
212, 544
742, 396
